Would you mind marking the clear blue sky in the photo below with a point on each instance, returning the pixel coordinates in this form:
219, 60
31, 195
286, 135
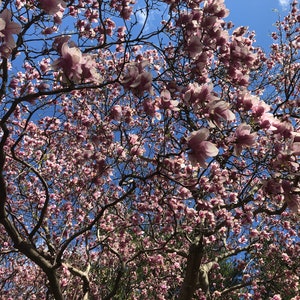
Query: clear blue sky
258, 15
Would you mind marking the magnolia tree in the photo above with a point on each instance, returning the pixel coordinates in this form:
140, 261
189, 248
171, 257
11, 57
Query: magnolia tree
148, 151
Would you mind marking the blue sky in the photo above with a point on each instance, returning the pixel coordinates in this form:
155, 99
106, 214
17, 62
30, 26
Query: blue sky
258, 15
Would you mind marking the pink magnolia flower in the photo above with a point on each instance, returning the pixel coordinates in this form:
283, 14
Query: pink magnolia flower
151, 108
266, 121
259, 107
166, 101
116, 112
76, 67
70, 63
7, 29
245, 101
291, 196
217, 8
49, 30
194, 46
243, 138
89, 70
44, 65
240, 52
137, 79
252, 102
295, 146
293, 202
197, 94
126, 12
219, 110
201, 149
52, 7
59, 41
283, 129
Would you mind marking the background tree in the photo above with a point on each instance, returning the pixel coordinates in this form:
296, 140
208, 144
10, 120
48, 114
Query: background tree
138, 161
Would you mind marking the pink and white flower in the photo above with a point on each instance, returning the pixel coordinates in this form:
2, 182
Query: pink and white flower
116, 112
70, 62
291, 196
166, 101
295, 147
243, 138
76, 66
137, 79
201, 149
52, 7
7, 29
219, 110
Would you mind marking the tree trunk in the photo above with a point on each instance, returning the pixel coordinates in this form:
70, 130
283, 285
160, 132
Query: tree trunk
190, 281
54, 285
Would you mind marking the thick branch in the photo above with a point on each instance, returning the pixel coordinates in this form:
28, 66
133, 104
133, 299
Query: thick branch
84, 275
31, 252
192, 270
25, 247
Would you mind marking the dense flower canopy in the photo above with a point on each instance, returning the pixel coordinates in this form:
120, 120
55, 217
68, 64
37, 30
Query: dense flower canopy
147, 160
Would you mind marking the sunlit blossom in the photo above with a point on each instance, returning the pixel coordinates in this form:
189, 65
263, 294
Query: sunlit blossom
201, 149
70, 63
243, 138
7, 29
76, 67
219, 110
137, 78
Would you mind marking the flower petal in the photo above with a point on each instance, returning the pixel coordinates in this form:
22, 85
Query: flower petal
210, 149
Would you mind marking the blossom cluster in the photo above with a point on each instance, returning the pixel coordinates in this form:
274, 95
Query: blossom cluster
137, 79
7, 29
76, 67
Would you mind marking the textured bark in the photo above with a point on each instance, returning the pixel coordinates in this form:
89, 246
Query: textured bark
192, 270
54, 284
